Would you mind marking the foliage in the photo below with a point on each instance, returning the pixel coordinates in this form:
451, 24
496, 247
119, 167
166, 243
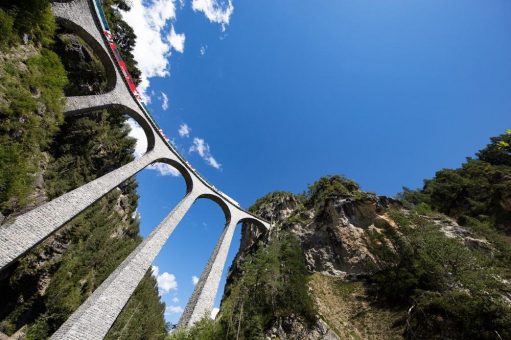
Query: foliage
94, 145
124, 35
30, 113
498, 152
450, 287
45, 286
480, 189
31, 17
204, 329
271, 197
271, 286
85, 71
329, 188
93, 244
142, 317
7, 35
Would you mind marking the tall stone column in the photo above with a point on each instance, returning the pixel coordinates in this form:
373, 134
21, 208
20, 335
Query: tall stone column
31, 228
95, 316
203, 297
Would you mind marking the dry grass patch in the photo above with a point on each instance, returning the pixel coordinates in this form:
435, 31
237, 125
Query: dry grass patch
350, 312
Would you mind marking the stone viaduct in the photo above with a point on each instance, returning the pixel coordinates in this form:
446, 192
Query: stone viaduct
95, 316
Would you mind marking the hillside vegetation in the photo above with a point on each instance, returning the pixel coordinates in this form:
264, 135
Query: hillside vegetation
433, 265
44, 155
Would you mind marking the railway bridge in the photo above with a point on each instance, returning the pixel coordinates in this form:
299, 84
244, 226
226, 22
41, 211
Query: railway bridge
94, 318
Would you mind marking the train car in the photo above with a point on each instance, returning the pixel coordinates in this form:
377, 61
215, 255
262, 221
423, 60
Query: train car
127, 76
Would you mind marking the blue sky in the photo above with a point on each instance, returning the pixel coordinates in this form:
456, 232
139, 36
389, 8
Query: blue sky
275, 94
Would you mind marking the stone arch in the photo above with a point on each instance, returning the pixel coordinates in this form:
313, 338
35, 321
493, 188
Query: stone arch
103, 55
100, 102
255, 221
182, 170
221, 202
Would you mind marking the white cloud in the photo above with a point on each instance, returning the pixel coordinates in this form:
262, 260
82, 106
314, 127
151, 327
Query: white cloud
213, 162
141, 146
164, 169
195, 280
177, 41
215, 10
202, 148
203, 50
164, 101
174, 309
152, 49
199, 146
155, 270
175, 299
166, 282
214, 312
138, 133
184, 130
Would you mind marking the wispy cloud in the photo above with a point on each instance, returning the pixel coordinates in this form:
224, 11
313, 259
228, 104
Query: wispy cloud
164, 101
216, 11
203, 50
202, 148
152, 49
175, 299
177, 41
184, 130
141, 146
166, 281
174, 310
195, 280
164, 169
138, 134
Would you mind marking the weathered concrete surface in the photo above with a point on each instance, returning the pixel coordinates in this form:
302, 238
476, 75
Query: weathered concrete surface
96, 315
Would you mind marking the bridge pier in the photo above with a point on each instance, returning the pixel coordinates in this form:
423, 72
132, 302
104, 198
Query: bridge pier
93, 319
31, 228
203, 297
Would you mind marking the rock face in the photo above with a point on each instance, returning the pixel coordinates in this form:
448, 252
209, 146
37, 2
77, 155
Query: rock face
292, 328
341, 237
336, 244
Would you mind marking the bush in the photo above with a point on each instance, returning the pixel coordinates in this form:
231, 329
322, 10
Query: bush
271, 286
29, 118
32, 17
480, 189
453, 291
7, 35
205, 329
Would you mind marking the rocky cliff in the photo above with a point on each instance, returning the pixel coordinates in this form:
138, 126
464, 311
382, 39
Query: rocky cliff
375, 263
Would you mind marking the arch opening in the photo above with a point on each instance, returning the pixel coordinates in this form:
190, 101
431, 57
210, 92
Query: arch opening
221, 203
187, 252
85, 70
141, 129
97, 48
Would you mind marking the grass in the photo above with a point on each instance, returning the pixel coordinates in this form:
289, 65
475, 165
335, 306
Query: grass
349, 311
